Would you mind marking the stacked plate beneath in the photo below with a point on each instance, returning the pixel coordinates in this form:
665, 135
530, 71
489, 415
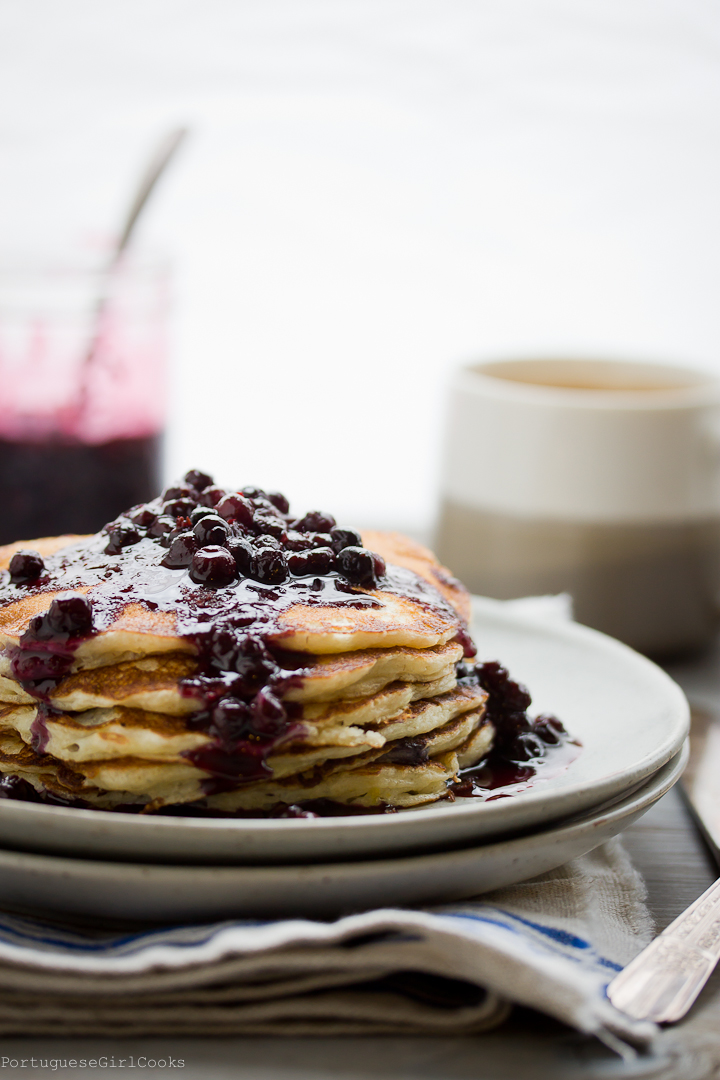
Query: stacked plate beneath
631, 719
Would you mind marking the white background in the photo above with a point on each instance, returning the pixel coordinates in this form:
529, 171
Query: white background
375, 191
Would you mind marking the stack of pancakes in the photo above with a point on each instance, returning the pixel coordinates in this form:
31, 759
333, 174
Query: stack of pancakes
375, 714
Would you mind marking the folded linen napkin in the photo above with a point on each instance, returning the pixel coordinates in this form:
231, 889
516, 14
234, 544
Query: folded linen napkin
552, 943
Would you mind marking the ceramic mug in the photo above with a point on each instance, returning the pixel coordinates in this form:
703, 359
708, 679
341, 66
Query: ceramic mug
596, 477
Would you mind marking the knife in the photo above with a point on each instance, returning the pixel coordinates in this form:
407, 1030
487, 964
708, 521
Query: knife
664, 980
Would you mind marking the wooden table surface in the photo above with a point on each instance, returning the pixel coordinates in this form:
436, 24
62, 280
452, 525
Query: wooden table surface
677, 867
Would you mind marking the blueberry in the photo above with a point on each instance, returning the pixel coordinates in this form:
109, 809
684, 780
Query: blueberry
70, 615
26, 565
342, 538
243, 654
269, 524
253, 661
197, 479
268, 714
200, 512
236, 508
121, 536
142, 515
181, 528
211, 530
549, 729
268, 565
279, 501
296, 541
178, 507
178, 491
320, 539
213, 566
181, 552
161, 526
315, 521
317, 561
242, 551
224, 646
510, 696
526, 746
358, 566
230, 720
267, 541
211, 496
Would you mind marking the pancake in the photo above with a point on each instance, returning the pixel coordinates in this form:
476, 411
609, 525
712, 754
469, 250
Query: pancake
153, 683
359, 674
370, 784
137, 632
102, 734
367, 779
209, 648
105, 734
392, 617
300, 629
378, 707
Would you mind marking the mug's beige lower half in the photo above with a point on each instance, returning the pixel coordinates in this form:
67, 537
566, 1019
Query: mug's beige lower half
654, 586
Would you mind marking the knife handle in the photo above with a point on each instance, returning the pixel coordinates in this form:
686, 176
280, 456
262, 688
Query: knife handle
663, 981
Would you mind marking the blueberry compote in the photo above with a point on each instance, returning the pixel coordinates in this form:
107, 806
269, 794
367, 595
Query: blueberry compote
525, 750
217, 568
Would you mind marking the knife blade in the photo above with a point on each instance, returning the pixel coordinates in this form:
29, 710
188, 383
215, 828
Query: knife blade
664, 980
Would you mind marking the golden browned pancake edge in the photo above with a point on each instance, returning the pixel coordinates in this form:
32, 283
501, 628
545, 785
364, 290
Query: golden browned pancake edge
400, 621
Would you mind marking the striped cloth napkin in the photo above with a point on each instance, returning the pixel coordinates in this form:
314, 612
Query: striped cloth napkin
552, 943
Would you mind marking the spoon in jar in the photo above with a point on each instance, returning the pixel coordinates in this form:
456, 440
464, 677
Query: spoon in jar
162, 156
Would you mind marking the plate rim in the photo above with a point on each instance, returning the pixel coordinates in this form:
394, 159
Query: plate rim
644, 797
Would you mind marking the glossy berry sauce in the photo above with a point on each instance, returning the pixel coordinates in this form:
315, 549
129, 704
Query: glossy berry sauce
525, 750
225, 565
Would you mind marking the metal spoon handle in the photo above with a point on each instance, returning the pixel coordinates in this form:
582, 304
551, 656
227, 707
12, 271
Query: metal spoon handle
153, 171
155, 168
664, 980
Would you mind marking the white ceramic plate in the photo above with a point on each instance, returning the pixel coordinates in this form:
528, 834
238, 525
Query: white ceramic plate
192, 893
629, 715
